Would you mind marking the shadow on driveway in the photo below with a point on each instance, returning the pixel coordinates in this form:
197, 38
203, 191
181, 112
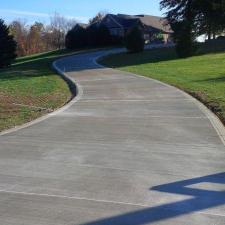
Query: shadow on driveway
200, 199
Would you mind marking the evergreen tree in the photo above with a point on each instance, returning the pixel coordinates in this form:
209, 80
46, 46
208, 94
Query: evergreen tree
181, 16
210, 17
191, 18
76, 38
201, 16
7, 46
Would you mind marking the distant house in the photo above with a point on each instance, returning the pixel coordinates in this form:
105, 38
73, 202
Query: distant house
152, 26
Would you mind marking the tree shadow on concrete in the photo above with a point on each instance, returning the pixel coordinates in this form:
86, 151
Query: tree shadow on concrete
200, 199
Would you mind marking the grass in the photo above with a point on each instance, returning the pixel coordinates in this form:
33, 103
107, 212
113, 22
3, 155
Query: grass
202, 76
30, 89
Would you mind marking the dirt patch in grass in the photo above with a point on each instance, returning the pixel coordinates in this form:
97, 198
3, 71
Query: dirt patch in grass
30, 89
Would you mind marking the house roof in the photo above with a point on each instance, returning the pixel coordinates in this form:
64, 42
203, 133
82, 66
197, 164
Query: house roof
125, 22
155, 22
152, 22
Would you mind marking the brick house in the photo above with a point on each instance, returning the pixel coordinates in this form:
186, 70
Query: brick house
153, 26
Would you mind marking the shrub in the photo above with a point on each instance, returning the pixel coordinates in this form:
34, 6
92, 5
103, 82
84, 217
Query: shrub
184, 39
7, 46
76, 38
134, 40
117, 40
103, 36
93, 36
99, 36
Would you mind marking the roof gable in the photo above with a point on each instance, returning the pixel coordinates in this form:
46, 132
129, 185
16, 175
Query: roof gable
111, 21
155, 22
115, 21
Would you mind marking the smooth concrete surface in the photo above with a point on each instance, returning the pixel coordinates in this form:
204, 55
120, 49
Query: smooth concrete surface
128, 151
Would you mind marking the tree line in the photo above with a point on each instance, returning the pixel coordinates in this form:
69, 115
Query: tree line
40, 37
20, 39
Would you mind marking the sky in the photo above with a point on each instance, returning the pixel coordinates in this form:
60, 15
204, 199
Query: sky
81, 10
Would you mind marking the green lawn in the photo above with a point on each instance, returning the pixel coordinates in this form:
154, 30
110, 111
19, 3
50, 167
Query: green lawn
202, 76
30, 88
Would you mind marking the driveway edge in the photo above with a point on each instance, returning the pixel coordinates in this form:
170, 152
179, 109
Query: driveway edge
213, 118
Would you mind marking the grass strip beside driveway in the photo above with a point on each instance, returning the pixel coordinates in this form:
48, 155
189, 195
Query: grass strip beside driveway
30, 88
202, 76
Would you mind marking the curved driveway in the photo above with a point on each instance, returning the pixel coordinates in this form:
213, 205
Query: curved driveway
127, 151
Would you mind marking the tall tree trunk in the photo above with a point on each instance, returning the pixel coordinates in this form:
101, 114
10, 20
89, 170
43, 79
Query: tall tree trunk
214, 35
209, 33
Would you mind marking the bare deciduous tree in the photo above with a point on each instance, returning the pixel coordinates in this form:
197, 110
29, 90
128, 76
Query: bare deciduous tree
18, 29
98, 17
35, 41
40, 37
60, 26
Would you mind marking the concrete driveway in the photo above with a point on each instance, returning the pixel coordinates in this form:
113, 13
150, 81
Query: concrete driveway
127, 151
